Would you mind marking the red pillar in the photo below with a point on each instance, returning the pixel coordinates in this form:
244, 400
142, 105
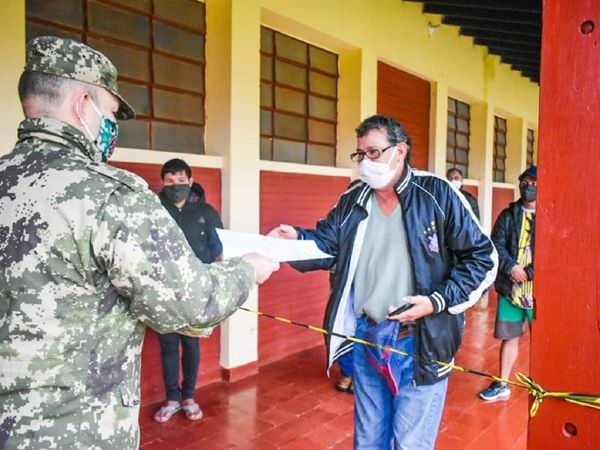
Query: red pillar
565, 353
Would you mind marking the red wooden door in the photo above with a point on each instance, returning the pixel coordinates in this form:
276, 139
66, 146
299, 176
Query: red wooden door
406, 98
301, 200
565, 354
210, 370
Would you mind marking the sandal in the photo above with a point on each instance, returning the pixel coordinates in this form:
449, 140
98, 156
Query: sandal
344, 384
192, 411
165, 413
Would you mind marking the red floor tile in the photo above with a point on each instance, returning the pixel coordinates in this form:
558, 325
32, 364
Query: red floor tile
290, 404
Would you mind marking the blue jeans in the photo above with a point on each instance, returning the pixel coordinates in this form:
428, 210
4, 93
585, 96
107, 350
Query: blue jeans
190, 362
410, 419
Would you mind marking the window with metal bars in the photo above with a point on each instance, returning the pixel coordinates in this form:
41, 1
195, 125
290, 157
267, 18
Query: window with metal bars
530, 147
457, 147
499, 149
158, 49
298, 100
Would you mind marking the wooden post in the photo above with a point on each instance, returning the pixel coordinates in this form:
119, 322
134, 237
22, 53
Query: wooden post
565, 353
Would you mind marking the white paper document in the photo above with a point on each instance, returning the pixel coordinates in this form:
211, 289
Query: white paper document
237, 243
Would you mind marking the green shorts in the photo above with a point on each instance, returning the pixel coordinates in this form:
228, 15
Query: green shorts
510, 319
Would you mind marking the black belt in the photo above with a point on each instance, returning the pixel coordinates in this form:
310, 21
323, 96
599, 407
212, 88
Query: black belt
406, 328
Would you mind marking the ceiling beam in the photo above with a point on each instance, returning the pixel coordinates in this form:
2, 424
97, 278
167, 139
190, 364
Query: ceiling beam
499, 33
499, 49
513, 36
522, 59
510, 43
496, 16
494, 26
522, 67
534, 6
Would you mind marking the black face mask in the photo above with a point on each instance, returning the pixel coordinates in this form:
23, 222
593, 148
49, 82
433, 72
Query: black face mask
176, 192
528, 193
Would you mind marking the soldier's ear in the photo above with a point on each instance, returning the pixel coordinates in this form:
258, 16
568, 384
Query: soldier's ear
191, 181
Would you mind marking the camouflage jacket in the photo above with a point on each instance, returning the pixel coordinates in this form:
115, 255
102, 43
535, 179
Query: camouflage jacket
88, 257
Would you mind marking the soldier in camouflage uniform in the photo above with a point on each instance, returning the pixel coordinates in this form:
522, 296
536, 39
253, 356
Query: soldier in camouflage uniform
88, 259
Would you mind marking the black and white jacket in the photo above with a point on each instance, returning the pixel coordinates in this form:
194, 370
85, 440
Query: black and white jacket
453, 261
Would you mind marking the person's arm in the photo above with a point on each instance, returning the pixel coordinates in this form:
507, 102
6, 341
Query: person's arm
213, 221
500, 238
324, 235
475, 207
476, 260
149, 262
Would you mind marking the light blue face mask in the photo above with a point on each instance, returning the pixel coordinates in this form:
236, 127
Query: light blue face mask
107, 136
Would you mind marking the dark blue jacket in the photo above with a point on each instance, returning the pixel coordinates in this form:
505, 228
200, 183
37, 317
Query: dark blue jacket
453, 260
505, 235
198, 221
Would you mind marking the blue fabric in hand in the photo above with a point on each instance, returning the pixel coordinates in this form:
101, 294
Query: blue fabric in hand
384, 334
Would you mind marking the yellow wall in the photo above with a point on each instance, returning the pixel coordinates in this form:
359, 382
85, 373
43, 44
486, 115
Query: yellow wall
398, 33
12, 55
360, 31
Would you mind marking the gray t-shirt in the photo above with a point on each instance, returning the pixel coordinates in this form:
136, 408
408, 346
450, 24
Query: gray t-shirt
384, 272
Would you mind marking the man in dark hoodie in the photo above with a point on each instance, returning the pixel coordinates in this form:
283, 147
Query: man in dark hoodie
185, 201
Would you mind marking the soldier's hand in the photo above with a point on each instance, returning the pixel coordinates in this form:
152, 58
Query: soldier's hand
284, 232
263, 266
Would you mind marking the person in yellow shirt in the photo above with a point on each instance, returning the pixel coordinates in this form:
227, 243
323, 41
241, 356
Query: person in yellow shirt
513, 236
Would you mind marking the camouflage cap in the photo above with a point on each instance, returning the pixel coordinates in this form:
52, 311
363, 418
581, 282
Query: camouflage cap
72, 59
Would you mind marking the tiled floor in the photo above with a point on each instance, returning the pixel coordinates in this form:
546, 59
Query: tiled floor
292, 405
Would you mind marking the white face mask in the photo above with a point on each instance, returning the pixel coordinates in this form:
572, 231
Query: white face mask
377, 175
457, 184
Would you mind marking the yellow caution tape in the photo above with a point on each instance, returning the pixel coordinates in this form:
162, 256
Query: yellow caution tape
537, 392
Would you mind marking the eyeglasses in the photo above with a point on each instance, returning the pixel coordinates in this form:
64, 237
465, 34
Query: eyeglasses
372, 153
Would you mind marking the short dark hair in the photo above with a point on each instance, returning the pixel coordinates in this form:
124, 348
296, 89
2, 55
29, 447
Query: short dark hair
47, 87
43, 92
394, 130
454, 169
175, 165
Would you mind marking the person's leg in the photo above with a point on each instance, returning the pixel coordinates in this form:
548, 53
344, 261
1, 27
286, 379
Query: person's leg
169, 354
190, 362
190, 365
372, 401
417, 409
509, 351
510, 321
418, 415
346, 364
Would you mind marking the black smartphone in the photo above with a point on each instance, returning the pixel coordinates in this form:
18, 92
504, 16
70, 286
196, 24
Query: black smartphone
401, 309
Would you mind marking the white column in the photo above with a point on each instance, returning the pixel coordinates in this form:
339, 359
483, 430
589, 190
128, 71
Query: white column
438, 130
233, 118
481, 157
349, 105
12, 55
516, 148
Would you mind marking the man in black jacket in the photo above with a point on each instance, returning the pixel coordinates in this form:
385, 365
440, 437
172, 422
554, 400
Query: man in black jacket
185, 201
513, 235
455, 176
403, 237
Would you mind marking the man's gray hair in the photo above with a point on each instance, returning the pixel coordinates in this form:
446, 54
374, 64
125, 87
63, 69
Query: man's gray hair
394, 130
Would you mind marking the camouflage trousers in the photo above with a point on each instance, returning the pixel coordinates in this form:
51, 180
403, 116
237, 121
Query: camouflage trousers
56, 418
